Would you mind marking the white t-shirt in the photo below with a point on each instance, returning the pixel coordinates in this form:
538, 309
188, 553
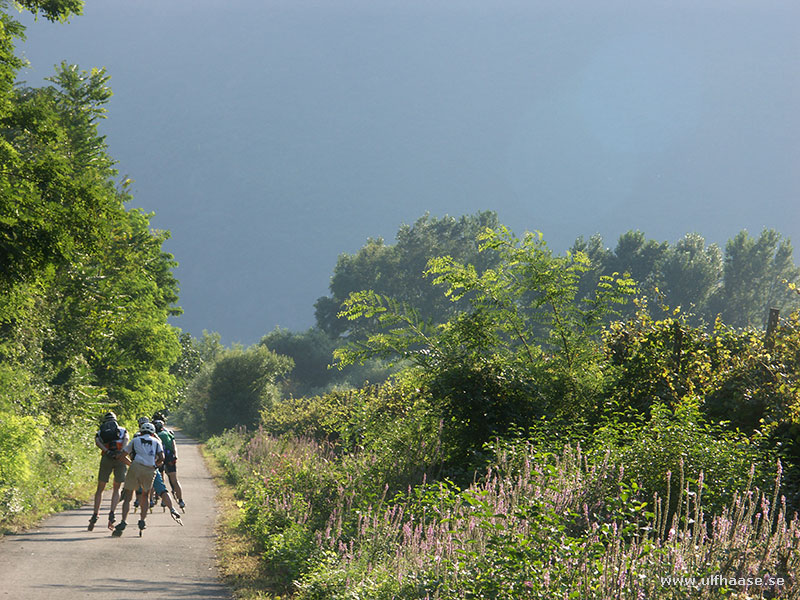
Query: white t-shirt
145, 448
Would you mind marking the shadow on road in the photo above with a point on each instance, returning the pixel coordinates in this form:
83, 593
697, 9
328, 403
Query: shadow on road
141, 587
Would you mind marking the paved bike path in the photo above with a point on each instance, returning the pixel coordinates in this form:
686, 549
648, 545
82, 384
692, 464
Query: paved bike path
61, 559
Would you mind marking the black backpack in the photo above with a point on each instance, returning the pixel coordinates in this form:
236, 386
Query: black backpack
109, 432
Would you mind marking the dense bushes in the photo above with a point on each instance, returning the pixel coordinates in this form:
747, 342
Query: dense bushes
528, 450
232, 388
674, 447
41, 467
464, 478
534, 525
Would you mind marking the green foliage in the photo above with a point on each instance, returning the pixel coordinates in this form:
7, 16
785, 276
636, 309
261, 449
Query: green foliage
312, 353
53, 10
393, 421
661, 361
20, 439
739, 376
325, 418
689, 273
39, 468
397, 271
753, 276
534, 525
740, 286
232, 389
526, 345
242, 384
97, 287
674, 446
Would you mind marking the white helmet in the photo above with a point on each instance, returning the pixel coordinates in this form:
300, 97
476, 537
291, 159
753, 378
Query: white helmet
147, 428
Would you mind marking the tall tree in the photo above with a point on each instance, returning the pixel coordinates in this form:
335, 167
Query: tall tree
85, 289
398, 270
524, 343
754, 273
689, 273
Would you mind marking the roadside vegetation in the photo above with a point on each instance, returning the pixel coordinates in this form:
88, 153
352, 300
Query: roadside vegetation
85, 288
502, 421
540, 441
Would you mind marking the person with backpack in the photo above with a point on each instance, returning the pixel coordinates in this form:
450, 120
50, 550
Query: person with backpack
146, 453
110, 438
138, 496
170, 466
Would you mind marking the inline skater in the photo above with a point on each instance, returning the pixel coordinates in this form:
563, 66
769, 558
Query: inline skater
145, 453
110, 438
137, 497
170, 461
160, 490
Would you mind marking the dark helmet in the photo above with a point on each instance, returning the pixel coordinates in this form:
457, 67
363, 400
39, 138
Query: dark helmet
109, 416
158, 424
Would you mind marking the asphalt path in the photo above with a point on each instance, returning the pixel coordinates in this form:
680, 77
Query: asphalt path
61, 559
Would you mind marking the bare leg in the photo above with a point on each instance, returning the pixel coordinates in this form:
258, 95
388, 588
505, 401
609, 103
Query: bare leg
114, 502
144, 505
126, 506
126, 503
166, 500
98, 498
115, 495
168, 503
98, 495
175, 485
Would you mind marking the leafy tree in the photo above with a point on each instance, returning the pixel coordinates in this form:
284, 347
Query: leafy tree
52, 10
634, 256
312, 352
525, 345
599, 257
86, 289
752, 281
397, 271
234, 389
56, 195
690, 272
637, 256
740, 286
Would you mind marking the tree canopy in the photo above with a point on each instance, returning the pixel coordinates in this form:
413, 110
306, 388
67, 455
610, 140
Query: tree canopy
397, 270
85, 289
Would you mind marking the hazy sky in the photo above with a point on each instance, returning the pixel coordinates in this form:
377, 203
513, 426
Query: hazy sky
271, 136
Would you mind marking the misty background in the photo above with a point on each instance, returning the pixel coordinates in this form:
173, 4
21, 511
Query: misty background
269, 137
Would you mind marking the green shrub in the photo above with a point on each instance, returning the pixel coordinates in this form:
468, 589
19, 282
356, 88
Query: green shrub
20, 443
677, 445
232, 390
42, 467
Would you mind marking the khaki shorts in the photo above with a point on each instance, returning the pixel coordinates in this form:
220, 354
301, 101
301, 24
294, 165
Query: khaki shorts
110, 465
139, 476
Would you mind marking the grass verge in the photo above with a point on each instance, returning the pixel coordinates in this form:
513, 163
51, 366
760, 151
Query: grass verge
238, 560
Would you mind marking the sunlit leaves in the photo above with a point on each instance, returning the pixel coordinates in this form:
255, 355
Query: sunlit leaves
85, 288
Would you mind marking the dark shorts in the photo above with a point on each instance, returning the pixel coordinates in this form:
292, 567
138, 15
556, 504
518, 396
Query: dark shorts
171, 467
111, 465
